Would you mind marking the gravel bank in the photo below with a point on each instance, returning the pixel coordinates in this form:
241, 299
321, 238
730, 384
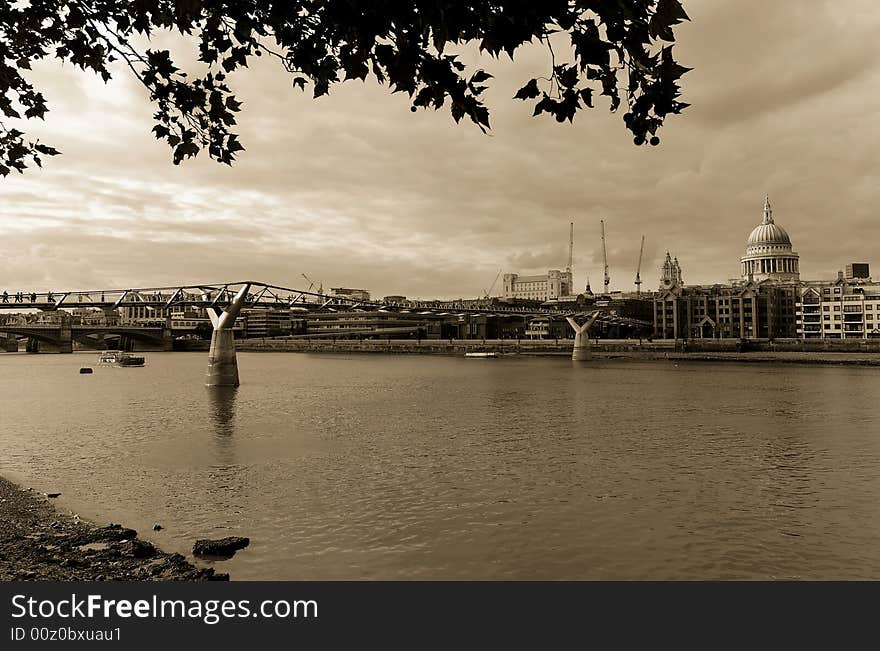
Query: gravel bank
37, 543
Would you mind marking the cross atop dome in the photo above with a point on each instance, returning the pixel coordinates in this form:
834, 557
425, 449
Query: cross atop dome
768, 211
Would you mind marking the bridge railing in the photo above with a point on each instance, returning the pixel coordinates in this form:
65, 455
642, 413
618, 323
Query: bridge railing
219, 295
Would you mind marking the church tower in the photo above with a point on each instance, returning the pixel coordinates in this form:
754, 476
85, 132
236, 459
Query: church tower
670, 274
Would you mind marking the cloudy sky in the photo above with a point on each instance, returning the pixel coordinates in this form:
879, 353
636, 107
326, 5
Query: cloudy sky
355, 190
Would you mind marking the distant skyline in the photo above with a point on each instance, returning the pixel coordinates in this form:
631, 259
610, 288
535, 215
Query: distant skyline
355, 190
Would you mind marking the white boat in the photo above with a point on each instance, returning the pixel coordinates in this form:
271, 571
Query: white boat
492, 354
120, 358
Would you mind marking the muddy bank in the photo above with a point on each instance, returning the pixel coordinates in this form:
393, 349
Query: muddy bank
38, 543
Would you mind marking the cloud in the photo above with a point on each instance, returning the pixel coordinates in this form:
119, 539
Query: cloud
354, 189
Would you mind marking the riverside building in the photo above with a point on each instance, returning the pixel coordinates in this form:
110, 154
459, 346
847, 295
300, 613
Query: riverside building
550, 286
759, 305
847, 308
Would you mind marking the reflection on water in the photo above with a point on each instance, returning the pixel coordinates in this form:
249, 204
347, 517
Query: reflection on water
222, 403
430, 467
226, 481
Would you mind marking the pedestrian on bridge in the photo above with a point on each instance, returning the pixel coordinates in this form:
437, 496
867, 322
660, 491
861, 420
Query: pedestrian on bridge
5, 296
33, 297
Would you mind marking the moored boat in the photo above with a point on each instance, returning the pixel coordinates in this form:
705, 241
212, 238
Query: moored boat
120, 358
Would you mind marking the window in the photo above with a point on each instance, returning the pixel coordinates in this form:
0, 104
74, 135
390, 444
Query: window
826, 308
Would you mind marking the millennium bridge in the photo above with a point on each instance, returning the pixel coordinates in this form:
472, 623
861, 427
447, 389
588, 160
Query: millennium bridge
223, 302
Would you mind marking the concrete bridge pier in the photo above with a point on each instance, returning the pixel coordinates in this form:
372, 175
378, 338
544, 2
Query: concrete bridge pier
10, 344
581, 351
167, 336
65, 339
222, 363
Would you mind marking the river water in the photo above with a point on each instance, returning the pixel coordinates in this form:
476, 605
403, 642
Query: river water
420, 467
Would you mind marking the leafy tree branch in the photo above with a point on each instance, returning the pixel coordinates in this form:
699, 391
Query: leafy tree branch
618, 48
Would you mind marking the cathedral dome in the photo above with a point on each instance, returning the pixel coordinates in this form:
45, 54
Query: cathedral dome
769, 254
769, 233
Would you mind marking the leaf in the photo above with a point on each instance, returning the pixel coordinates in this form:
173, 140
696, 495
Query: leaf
547, 104
586, 95
46, 150
188, 8
457, 111
480, 76
37, 111
668, 14
529, 91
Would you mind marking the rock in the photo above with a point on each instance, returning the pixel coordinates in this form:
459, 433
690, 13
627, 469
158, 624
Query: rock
140, 549
116, 532
225, 547
157, 527
53, 494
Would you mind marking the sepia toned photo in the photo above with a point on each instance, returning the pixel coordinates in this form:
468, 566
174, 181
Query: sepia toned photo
320, 291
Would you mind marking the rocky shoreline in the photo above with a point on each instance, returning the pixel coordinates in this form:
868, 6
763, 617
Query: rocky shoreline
38, 543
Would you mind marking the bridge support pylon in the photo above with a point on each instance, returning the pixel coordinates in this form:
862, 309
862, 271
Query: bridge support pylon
65, 338
581, 351
167, 336
222, 363
10, 345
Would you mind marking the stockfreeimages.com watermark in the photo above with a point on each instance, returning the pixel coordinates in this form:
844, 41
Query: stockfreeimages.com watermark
209, 611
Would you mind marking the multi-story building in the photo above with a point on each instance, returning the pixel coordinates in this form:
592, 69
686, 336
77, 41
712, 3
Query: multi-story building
267, 322
549, 326
549, 286
374, 323
352, 294
847, 308
752, 310
858, 270
759, 305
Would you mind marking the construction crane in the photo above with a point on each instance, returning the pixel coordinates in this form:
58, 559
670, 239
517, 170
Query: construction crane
486, 292
570, 245
605, 258
312, 284
639, 269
